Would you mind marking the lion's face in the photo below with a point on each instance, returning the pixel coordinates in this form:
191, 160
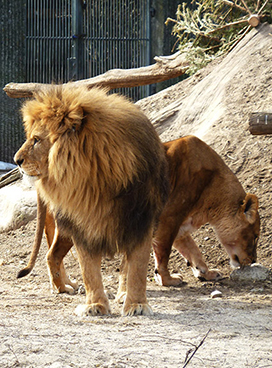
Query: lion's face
32, 157
239, 232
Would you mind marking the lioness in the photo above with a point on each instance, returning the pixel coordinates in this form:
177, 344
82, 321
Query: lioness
203, 189
101, 170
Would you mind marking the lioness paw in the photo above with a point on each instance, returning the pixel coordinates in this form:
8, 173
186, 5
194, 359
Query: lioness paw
95, 309
69, 289
137, 310
120, 297
64, 288
211, 275
169, 280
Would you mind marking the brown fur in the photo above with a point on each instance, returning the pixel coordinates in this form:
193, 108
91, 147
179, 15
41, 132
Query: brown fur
101, 170
203, 189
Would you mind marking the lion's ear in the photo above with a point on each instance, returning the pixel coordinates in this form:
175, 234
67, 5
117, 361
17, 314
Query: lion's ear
73, 120
250, 207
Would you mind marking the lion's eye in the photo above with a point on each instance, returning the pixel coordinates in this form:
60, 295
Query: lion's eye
36, 140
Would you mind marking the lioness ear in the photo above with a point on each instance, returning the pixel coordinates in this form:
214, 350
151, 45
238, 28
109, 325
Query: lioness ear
250, 207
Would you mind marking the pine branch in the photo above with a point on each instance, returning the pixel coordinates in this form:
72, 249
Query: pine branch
214, 27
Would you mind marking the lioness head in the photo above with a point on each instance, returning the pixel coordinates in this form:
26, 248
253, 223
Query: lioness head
239, 232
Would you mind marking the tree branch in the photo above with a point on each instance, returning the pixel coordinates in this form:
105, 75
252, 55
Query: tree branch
260, 123
166, 67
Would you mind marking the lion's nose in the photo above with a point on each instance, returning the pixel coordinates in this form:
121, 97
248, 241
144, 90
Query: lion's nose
19, 161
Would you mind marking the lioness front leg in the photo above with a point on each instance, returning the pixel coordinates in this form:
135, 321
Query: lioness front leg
96, 300
190, 251
137, 264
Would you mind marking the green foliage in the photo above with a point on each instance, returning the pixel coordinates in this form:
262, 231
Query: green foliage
210, 28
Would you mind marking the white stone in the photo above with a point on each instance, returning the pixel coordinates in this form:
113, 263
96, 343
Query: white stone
216, 294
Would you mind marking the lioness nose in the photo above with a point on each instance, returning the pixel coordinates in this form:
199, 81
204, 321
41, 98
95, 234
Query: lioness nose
19, 161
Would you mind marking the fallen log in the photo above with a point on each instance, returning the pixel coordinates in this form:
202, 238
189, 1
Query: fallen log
166, 67
260, 123
10, 177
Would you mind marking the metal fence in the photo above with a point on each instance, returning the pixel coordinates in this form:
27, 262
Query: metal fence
71, 39
48, 41
116, 35
12, 69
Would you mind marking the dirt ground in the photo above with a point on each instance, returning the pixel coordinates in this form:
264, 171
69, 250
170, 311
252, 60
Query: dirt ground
38, 328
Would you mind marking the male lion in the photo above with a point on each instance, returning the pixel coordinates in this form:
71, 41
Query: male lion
203, 189
101, 169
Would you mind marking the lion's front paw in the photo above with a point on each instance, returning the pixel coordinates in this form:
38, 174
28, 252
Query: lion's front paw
137, 310
170, 280
95, 309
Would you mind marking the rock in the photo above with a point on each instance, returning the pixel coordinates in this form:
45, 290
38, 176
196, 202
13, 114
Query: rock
216, 294
5, 166
18, 205
255, 272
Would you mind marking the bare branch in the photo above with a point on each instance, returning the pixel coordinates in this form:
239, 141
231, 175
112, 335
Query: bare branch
245, 5
193, 351
10, 177
166, 67
232, 4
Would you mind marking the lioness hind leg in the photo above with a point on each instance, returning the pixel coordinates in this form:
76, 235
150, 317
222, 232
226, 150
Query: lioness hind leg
190, 251
137, 263
96, 300
122, 289
162, 245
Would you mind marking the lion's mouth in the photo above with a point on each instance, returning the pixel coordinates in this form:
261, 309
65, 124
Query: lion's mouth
28, 174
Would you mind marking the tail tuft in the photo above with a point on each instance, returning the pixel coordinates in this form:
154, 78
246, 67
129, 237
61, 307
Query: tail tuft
23, 272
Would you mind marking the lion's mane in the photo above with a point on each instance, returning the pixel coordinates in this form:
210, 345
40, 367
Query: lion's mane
104, 184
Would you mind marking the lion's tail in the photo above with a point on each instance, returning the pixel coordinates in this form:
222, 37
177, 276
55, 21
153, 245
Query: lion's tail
41, 213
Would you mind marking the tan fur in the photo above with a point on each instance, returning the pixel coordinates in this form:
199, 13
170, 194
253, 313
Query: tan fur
203, 190
102, 172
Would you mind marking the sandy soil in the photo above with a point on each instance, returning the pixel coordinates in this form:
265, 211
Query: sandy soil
39, 329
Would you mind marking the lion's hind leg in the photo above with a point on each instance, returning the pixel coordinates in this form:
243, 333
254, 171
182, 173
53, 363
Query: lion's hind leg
137, 263
58, 246
58, 278
96, 300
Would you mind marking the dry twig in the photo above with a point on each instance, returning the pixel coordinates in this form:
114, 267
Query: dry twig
191, 352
